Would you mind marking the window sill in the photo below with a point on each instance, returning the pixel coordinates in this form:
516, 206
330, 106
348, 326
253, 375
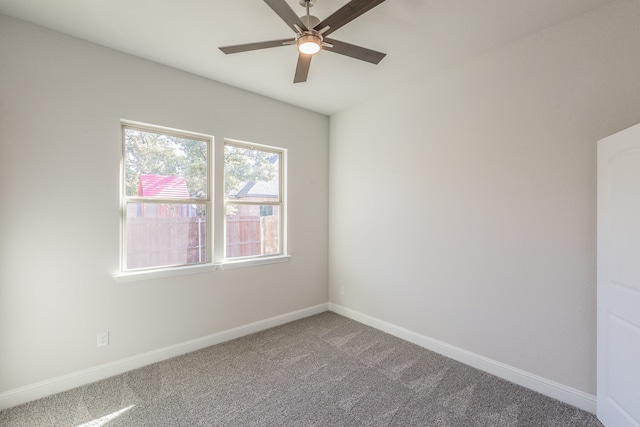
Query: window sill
137, 276
228, 265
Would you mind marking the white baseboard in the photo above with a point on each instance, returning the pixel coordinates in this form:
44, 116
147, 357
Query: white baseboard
86, 376
534, 382
531, 381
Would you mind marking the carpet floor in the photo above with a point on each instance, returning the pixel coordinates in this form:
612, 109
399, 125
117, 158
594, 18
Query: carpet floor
324, 370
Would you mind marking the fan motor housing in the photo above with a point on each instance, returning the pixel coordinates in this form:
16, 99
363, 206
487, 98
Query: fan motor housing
310, 21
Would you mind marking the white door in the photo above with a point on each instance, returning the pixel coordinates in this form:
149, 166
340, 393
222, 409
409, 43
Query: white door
619, 279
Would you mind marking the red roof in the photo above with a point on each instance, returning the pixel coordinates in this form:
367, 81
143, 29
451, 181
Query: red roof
171, 187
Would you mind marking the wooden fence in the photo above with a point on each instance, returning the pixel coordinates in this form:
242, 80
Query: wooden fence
155, 242
251, 235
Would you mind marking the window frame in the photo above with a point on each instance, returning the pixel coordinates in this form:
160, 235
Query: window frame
215, 205
131, 274
282, 255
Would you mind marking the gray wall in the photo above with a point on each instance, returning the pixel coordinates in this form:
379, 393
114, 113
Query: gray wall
61, 102
463, 206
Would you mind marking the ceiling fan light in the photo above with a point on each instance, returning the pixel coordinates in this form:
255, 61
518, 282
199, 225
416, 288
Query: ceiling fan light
309, 44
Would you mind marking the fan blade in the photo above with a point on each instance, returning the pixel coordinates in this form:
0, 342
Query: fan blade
302, 69
284, 11
354, 51
255, 46
346, 14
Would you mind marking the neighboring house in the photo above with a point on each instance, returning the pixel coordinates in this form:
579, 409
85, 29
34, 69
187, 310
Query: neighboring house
152, 185
161, 186
258, 191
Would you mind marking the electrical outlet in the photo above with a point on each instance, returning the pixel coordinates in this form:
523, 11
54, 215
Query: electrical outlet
103, 338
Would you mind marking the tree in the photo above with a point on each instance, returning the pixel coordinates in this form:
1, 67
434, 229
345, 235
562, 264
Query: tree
243, 165
161, 154
148, 152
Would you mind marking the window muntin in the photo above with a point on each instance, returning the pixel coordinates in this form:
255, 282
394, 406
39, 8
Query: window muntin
253, 200
166, 200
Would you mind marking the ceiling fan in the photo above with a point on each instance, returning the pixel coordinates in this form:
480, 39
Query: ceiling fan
311, 34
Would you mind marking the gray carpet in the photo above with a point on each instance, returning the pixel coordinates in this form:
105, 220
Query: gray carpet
325, 370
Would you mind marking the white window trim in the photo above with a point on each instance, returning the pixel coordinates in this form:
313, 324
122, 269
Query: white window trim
251, 262
216, 225
167, 271
136, 276
283, 256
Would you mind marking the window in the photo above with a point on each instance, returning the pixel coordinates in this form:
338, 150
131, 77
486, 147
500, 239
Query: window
166, 200
254, 211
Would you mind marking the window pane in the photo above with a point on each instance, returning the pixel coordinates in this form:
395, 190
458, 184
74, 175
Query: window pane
164, 166
252, 230
251, 175
164, 234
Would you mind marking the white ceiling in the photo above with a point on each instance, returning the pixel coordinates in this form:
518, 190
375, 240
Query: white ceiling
420, 37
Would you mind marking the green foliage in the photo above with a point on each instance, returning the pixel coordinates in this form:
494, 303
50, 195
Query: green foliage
161, 154
242, 165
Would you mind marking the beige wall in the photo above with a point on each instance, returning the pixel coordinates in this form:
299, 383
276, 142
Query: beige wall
61, 102
463, 205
